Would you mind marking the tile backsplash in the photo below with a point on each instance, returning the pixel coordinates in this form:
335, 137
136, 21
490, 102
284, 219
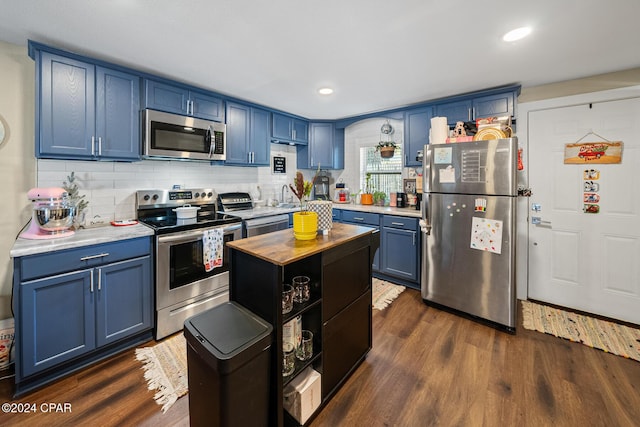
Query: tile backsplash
110, 187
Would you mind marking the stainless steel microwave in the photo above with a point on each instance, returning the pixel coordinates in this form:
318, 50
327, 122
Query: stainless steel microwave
172, 136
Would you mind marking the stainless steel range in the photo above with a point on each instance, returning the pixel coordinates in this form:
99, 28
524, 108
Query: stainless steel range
184, 287
255, 220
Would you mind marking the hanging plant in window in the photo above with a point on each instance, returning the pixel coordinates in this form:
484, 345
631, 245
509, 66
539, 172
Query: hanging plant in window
386, 146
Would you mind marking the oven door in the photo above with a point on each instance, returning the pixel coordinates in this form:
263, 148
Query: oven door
180, 269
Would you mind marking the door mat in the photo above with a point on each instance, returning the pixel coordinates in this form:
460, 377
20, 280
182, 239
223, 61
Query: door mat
384, 293
601, 334
165, 369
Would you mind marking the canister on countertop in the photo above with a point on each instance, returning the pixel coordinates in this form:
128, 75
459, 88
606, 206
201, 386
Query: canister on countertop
401, 200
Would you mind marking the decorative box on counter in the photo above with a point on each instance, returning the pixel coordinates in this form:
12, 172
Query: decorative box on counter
302, 395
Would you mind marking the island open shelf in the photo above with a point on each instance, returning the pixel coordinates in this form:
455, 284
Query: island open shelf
338, 312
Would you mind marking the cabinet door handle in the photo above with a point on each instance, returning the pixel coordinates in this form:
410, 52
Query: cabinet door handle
86, 258
93, 145
413, 235
99, 279
91, 282
99, 146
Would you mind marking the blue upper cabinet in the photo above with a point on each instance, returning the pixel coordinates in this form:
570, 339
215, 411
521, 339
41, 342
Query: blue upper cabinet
472, 108
85, 111
181, 100
117, 114
500, 104
459, 111
417, 123
289, 129
247, 135
325, 147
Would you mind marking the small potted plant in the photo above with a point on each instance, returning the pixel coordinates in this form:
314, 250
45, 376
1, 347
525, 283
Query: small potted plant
367, 198
378, 198
386, 148
77, 199
305, 223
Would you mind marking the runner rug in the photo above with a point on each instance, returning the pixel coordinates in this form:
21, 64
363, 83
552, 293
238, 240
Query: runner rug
384, 293
601, 334
165, 369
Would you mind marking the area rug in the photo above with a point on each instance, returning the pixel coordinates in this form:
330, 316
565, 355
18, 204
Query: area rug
165, 369
384, 293
601, 334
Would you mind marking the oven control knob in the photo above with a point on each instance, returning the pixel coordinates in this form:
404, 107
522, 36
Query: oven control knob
155, 197
146, 197
209, 194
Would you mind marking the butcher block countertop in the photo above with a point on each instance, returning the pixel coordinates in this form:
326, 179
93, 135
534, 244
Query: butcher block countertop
281, 248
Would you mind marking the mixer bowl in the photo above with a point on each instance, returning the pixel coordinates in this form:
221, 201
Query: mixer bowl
52, 219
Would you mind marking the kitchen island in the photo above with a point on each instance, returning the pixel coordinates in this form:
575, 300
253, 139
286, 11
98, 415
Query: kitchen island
338, 312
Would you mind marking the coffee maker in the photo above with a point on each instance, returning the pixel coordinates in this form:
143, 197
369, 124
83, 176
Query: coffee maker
321, 186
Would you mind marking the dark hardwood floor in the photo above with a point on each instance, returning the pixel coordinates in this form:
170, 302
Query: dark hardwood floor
427, 367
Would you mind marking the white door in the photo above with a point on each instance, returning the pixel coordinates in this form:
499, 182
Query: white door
585, 261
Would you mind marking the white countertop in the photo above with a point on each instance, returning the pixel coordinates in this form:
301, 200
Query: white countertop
270, 211
82, 237
387, 210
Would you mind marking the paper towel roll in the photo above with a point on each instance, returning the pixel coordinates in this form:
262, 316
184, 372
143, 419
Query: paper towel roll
439, 130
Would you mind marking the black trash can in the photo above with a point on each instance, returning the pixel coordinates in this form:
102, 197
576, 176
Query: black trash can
228, 359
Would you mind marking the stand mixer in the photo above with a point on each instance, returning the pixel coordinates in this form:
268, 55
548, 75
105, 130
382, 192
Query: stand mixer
52, 214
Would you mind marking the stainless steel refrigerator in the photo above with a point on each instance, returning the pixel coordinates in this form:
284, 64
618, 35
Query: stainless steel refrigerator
469, 226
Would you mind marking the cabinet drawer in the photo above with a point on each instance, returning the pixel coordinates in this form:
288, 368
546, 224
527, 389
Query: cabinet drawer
402, 222
361, 217
345, 279
34, 266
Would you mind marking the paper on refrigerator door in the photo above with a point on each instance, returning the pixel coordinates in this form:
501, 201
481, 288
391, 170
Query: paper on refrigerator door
486, 235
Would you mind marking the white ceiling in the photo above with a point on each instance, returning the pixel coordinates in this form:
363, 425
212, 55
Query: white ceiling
376, 54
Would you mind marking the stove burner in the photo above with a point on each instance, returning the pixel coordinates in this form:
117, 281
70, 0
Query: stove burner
155, 209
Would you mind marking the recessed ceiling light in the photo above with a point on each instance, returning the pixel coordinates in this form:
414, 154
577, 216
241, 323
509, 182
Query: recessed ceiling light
516, 34
325, 91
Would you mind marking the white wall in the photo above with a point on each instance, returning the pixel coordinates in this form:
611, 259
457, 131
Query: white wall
17, 161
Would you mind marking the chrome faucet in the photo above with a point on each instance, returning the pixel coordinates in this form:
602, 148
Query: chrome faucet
284, 188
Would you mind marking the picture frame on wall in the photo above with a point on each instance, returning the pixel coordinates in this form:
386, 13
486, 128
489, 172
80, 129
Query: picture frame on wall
278, 165
409, 185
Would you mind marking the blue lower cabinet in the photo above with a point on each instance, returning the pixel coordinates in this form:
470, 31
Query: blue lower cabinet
80, 305
400, 242
400, 253
57, 320
123, 298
